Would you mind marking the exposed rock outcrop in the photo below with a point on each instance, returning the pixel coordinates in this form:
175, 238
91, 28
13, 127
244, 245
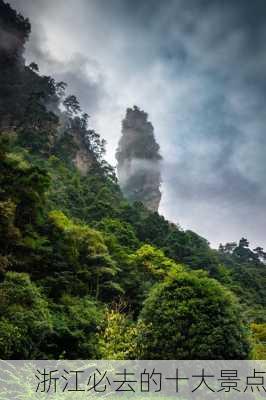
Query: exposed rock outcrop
83, 158
139, 160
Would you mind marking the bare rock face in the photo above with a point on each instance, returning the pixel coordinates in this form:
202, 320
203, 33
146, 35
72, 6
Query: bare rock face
72, 144
139, 160
82, 159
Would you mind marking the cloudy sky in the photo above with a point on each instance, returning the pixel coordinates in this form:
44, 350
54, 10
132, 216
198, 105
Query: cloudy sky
198, 67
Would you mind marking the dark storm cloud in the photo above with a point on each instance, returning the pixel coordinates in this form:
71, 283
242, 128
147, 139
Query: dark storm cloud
199, 68
81, 72
89, 90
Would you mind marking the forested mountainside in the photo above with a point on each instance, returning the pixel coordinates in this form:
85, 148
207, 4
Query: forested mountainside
84, 273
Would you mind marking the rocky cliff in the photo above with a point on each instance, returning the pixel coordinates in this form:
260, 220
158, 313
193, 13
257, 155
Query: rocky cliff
138, 160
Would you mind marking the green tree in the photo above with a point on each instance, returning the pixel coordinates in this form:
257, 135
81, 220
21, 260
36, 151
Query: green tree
190, 316
71, 105
76, 322
117, 340
25, 320
259, 341
122, 231
84, 257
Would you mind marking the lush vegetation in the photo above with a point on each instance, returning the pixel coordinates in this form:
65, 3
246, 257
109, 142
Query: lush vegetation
83, 272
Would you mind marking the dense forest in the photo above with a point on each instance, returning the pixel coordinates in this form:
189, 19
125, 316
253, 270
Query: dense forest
87, 274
